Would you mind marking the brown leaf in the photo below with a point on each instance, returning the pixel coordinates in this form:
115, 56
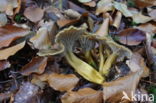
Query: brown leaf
64, 22
4, 64
85, 95
9, 33
113, 91
5, 53
136, 63
36, 65
148, 27
60, 82
34, 14
131, 36
145, 3
90, 4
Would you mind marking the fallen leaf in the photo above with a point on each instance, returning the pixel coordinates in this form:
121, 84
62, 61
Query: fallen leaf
7, 6
152, 14
140, 18
9, 33
4, 96
36, 65
4, 64
26, 92
62, 82
34, 14
3, 19
85, 95
123, 9
63, 22
42, 39
113, 91
7, 52
90, 4
131, 36
84, 1
104, 6
148, 27
59, 82
145, 3
136, 63
72, 14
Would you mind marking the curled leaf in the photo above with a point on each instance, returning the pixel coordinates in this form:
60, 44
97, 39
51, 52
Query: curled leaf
85, 95
9, 33
36, 65
5, 53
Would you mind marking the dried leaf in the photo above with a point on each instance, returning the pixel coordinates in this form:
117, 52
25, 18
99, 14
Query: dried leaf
9, 33
84, 1
5, 53
3, 19
34, 14
140, 18
72, 14
62, 82
90, 4
123, 9
4, 64
145, 3
136, 63
148, 27
41, 40
131, 36
26, 92
36, 65
8, 6
64, 22
59, 82
104, 6
152, 14
85, 95
113, 91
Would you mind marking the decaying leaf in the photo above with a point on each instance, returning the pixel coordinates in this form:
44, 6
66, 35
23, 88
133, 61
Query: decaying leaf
140, 18
72, 14
85, 95
113, 91
68, 37
8, 6
4, 64
131, 36
123, 9
104, 6
26, 92
36, 65
7, 52
59, 82
145, 3
90, 4
84, 1
42, 39
136, 63
148, 27
3, 19
34, 14
9, 33
152, 14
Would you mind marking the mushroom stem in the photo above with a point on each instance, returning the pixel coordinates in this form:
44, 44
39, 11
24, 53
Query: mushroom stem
101, 59
90, 59
84, 69
110, 60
